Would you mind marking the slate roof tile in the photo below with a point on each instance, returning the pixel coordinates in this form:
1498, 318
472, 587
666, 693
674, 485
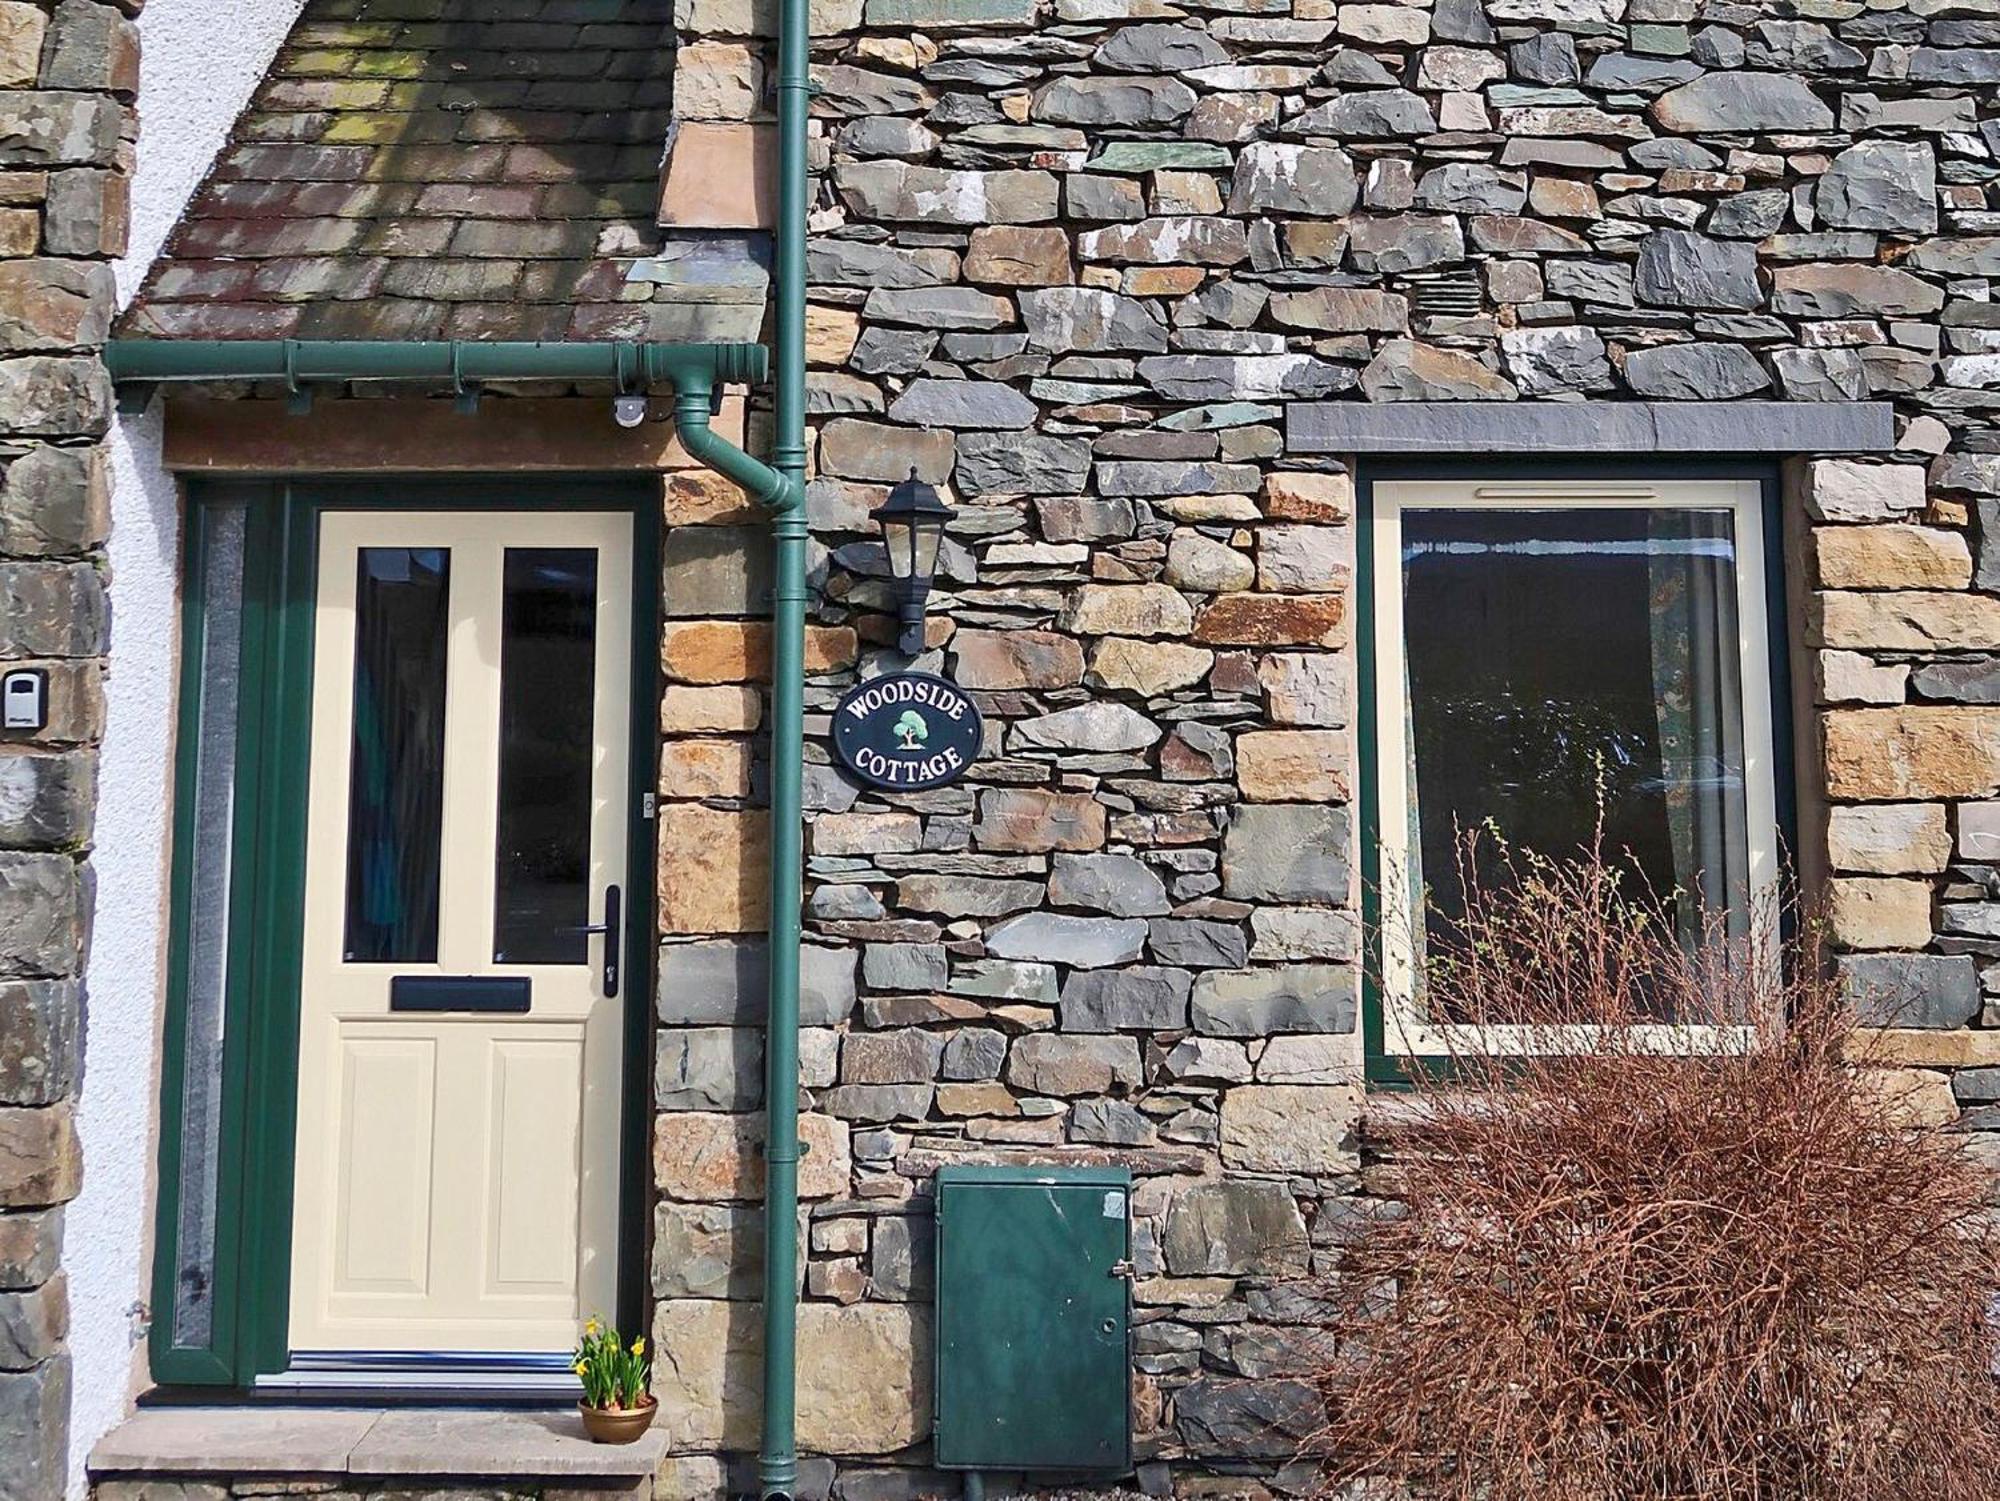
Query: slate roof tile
445, 169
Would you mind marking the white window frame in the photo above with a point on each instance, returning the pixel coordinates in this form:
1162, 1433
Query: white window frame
1404, 1032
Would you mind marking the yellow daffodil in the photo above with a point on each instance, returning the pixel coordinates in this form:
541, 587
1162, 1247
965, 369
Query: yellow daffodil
639, 1345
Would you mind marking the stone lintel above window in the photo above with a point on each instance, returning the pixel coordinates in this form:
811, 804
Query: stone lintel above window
1708, 427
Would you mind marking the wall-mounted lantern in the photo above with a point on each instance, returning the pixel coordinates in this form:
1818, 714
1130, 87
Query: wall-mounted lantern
912, 520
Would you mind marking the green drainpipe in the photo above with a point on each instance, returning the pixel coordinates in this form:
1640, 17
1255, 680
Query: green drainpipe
783, 494
778, 1457
780, 491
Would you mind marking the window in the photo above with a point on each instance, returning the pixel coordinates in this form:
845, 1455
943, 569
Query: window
213, 666
1542, 650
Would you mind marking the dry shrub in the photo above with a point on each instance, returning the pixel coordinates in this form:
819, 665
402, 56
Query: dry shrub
1624, 1274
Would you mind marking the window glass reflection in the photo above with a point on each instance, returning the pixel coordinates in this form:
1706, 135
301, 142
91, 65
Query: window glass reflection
396, 773
548, 675
1559, 661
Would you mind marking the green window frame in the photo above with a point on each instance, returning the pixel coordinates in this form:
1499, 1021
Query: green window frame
235, 1147
1384, 1066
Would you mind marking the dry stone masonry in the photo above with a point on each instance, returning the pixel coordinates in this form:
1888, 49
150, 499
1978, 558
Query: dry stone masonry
1079, 262
68, 74
1072, 260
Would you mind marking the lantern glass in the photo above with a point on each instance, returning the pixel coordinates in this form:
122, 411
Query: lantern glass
899, 539
926, 538
912, 521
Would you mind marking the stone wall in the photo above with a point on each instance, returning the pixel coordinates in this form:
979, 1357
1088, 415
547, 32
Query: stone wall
68, 72
1071, 261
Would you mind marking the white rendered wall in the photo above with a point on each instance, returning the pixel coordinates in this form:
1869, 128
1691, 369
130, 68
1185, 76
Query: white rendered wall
201, 60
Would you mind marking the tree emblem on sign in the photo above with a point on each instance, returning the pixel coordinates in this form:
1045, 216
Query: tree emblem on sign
912, 730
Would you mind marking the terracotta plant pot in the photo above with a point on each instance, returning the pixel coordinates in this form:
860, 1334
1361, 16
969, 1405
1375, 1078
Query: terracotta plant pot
617, 1425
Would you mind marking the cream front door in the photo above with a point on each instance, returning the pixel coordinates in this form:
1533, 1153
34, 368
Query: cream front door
460, 1046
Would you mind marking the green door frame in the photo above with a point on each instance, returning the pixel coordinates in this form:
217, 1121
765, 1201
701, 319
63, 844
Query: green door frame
253, 1212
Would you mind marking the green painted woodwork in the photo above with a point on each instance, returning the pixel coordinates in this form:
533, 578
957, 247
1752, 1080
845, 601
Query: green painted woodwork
1380, 1068
642, 942
171, 1360
252, 1241
1033, 1319
269, 926
267, 881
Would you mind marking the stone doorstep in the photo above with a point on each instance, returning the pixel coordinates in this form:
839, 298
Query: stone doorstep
466, 1443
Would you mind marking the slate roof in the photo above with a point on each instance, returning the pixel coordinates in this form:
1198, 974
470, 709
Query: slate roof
431, 169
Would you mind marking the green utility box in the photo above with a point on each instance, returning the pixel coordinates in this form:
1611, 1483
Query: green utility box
1034, 1305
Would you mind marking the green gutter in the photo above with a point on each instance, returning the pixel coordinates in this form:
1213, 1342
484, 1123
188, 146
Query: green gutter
301, 363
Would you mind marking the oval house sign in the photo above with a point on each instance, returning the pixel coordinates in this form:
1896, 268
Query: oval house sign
906, 731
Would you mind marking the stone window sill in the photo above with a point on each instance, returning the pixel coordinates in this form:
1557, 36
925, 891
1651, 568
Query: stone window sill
463, 1443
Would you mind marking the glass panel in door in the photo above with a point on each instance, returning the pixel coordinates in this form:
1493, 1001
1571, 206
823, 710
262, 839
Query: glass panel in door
395, 777
548, 650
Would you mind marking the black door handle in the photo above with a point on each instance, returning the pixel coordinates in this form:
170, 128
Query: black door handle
613, 932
